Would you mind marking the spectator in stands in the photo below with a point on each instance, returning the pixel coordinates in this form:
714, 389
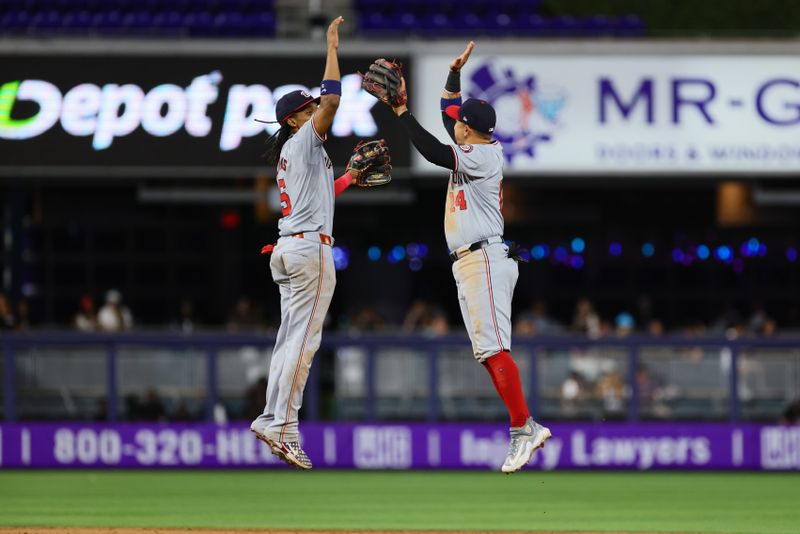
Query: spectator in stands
611, 390
416, 316
651, 393
152, 409
756, 321
86, 318
586, 321
623, 324
184, 322
606, 328
244, 316
695, 329
437, 324
769, 328
572, 392
7, 321
753, 382
655, 328
536, 321
760, 323
426, 319
367, 320
114, 316
728, 322
645, 385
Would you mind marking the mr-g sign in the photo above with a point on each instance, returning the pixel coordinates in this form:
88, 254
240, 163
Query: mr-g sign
777, 101
614, 114
165, 113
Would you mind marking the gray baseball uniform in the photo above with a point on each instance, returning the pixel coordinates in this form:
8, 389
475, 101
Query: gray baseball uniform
304, 271
485, 277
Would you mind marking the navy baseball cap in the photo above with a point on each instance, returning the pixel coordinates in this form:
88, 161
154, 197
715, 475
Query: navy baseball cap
477, 114
291, 102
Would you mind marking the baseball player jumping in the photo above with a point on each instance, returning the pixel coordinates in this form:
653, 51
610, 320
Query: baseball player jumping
302, 259
473, 224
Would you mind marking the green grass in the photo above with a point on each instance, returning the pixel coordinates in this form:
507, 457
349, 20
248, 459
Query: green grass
613, 502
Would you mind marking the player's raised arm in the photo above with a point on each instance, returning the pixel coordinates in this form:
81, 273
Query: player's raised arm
384, 80
424, 141
331, 90
451, 95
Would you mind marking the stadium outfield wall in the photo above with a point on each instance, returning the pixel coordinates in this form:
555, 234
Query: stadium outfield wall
643, 446
565, 108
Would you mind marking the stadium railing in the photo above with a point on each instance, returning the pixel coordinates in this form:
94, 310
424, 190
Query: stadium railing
65, 375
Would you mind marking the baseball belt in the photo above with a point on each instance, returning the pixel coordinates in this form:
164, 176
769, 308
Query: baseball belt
460, 252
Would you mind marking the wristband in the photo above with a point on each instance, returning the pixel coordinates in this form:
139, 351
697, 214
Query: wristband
453, 84
444, 103
330, 87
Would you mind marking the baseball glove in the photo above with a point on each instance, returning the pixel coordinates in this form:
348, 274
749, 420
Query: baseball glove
518, 253
383, 80
371, 159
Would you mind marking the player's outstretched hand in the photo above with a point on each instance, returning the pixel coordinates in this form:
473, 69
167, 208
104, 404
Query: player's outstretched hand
333, 32
459, 62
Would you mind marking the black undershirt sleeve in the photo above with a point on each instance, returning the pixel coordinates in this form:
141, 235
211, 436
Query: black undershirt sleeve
430, 147
449, 125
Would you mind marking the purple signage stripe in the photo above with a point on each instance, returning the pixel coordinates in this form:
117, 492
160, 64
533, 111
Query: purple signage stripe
401, 446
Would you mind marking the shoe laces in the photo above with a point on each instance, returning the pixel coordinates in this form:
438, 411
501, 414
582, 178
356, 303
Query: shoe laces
513, 446
294, 447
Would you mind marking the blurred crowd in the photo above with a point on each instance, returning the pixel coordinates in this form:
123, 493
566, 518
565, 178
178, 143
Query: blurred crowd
431, 319
590, 382
422, 317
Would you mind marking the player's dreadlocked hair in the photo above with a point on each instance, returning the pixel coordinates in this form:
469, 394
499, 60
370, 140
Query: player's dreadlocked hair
275, 143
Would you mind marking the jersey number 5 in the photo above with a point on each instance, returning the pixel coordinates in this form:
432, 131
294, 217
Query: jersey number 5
457, 201
286, 203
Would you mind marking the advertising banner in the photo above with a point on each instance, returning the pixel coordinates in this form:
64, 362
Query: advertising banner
629, 114
402, 446
169, 114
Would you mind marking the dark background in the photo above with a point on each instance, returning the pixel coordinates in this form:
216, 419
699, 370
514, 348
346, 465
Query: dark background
82, 234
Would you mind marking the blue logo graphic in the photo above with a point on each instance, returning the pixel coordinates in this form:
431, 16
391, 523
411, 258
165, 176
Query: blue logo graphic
527, 111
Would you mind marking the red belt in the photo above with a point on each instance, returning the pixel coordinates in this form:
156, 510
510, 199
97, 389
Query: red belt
323, 238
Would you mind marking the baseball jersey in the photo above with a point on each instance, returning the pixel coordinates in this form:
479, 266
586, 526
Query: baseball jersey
474, 195
305, 183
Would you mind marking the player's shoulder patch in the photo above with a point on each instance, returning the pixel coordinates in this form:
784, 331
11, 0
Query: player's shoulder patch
466, 148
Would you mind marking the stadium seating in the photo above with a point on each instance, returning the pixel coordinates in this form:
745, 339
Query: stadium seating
257, 18
499, 18
132, 18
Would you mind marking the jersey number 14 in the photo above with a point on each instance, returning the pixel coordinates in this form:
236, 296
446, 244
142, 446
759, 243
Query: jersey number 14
457, 201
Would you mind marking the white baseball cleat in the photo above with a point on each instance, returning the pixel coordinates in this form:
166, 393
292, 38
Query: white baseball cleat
273, 445
293, 454
289, 452
524, 442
